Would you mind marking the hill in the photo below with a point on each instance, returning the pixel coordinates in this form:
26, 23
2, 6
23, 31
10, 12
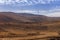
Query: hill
24, 17
23, 24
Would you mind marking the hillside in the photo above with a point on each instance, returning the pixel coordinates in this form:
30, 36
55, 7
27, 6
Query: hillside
24, 17
26, 25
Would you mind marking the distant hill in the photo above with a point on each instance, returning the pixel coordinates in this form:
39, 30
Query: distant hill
22, 17
25, 17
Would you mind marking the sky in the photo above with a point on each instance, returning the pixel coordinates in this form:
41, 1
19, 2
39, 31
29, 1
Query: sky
40, 7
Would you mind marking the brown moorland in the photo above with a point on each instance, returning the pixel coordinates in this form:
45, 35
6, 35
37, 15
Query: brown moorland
25, 26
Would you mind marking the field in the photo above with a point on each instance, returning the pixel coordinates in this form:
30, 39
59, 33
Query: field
29, 31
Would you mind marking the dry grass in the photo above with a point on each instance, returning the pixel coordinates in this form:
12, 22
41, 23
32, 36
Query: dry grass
29, 31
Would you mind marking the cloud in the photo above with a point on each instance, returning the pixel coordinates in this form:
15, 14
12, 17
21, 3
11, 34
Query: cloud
5, 2
26, 11
40, 12
26, 2
55, 14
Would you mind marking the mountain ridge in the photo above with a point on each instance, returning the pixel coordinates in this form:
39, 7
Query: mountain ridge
26, 17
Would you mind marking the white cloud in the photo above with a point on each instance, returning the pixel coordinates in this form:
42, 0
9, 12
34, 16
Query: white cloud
26, 2
26, 11
1, 1
6, 1
40, 12
55, 14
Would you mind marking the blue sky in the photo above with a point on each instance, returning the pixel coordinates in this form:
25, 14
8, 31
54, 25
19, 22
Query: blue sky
43, 7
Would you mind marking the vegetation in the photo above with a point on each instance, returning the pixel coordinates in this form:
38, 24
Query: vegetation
27, 26
29, 31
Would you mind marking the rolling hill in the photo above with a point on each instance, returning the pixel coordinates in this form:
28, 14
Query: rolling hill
21, 23
22, 17
25, 17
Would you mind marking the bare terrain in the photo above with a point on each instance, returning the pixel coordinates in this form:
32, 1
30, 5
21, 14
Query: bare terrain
23, 26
